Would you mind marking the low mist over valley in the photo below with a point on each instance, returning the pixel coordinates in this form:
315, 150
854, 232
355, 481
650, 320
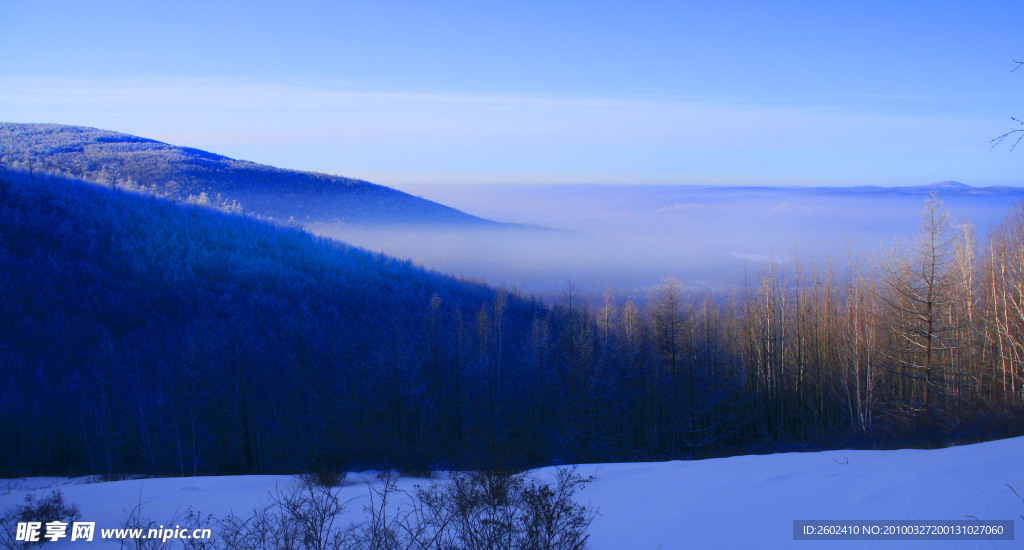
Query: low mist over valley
632, 237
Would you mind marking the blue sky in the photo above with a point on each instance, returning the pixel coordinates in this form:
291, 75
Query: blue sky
799, 93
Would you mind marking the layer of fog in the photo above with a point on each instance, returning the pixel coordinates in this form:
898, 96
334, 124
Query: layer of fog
630, 238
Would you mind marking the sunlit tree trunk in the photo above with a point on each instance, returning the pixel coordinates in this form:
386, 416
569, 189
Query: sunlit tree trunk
921, 289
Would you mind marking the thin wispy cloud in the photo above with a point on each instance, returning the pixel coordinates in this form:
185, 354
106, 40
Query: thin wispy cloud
558, 135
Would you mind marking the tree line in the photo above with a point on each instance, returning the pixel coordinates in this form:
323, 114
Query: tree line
142, 336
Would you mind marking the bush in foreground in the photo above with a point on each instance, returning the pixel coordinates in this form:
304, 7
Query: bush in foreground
48, 509
487, 510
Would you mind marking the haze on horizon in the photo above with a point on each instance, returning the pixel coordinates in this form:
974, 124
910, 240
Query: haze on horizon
630, 238
794, 93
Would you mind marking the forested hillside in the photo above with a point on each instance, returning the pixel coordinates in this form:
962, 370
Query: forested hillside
122, 161
137, 335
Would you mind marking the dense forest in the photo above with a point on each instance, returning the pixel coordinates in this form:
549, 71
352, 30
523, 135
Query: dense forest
136, 334
142, 336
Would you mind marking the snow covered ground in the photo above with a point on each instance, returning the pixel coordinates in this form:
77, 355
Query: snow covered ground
737, 502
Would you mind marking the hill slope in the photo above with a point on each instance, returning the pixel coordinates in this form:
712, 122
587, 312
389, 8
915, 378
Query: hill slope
122, 160
138, 334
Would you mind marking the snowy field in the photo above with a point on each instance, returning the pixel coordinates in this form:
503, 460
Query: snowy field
737, 502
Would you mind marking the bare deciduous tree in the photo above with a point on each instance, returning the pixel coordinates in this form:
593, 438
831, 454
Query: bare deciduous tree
921, 288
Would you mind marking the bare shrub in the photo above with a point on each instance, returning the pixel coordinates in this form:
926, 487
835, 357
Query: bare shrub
487, 510
313, 508
48, 509
265, 529
324, 478
135, 522
499, 510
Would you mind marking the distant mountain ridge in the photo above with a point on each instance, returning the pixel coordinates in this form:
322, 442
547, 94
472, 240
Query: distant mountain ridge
183, 173
942, 187
949, 185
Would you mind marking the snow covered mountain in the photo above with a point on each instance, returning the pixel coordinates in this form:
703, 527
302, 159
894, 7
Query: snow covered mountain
125, 161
